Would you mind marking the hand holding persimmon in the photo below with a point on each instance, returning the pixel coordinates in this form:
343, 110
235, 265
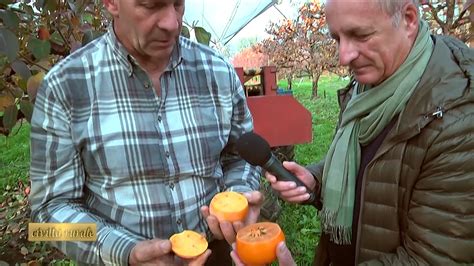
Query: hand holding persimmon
229, 206
188, 244
256, 243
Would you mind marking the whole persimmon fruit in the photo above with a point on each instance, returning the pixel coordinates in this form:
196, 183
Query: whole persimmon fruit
188, 244
229, 206
256, 243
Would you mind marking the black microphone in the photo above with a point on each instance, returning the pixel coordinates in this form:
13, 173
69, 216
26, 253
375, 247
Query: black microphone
255, 150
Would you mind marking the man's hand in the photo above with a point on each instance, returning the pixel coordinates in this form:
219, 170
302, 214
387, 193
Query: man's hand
283, 255
287, 189
158, 252
198, 261
151, 252
227, 230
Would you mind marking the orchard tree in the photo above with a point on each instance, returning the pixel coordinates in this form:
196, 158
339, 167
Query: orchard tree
250, 58
282, 49
450, 17
35, 35
303, 45
247, 42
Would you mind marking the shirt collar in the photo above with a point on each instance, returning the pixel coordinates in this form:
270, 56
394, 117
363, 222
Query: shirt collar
122, 54
176, 56
127, 60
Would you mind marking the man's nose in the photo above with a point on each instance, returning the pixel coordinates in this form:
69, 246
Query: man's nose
347, 52
169, 18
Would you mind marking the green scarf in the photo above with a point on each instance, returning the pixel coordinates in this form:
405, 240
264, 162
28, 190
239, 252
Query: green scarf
368, 112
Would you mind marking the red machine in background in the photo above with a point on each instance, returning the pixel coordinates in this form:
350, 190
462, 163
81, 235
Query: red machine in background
278, 116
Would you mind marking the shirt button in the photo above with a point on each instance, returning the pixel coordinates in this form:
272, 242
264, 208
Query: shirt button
146, 84
171, 185
159, 118
178, 221
167, 153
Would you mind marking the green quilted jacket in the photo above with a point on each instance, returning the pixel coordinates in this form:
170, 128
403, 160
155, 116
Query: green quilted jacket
417, 197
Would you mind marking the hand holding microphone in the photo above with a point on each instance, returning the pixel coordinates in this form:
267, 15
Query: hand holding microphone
256, 151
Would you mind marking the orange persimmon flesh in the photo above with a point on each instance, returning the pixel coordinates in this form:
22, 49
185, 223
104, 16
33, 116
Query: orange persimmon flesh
229, 206
256, 243
188, 244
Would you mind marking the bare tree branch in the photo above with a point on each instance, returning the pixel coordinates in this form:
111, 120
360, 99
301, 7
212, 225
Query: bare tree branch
434, 13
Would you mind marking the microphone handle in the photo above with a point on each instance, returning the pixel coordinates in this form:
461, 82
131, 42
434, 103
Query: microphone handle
275, 167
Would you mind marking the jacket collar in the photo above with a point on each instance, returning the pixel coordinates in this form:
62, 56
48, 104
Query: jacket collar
451, 63
445, 84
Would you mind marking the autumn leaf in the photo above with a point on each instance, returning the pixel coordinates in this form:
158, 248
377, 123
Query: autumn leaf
6, 99
33, 84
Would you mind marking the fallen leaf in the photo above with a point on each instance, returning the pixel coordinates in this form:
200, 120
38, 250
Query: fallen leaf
24, 251
14, 227
12, 243
33, 263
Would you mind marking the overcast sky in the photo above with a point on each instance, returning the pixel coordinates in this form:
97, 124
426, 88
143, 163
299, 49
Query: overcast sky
218, 17
256, 28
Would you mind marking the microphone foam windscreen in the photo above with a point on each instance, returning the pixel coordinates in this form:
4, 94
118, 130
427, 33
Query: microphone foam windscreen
254, 149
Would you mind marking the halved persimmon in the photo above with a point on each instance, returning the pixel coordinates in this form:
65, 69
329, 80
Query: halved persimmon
229, 206
188, 244
256, 243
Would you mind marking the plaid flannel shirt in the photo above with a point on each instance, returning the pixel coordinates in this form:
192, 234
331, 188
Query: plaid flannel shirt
105, 148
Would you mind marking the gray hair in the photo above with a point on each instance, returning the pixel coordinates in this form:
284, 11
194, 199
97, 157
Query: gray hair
394, 8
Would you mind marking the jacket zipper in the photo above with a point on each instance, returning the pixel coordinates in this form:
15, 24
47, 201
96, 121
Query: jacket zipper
439, 112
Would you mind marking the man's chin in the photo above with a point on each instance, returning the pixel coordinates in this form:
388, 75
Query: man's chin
163, 52
365, 78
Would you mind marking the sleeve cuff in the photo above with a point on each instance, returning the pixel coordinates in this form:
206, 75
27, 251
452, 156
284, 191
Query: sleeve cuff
117, 245
240, 189
315, 200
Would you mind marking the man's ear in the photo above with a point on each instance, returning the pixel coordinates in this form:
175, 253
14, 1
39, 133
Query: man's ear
410, 19
112, 6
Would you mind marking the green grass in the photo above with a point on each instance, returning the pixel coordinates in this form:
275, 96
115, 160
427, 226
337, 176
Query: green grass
300, 223
15, 156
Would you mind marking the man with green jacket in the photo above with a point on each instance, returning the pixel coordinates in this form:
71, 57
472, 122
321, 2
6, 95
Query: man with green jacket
397, 184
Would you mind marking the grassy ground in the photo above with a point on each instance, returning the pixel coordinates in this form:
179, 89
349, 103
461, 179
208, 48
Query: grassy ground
15, 156
14, 207
300, 223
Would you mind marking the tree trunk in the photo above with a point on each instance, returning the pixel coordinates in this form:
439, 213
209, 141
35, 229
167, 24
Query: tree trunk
315, 79
290, 82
